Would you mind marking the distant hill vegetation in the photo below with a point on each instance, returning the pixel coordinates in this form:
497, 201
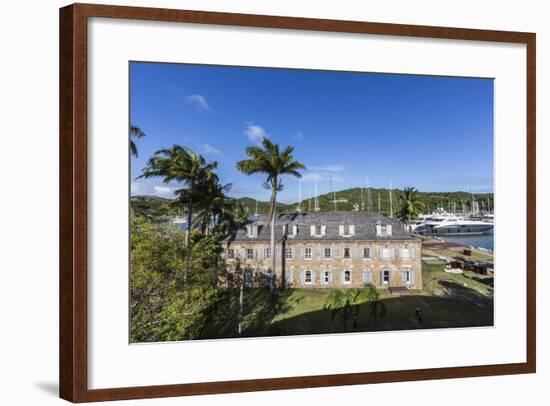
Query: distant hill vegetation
347, 200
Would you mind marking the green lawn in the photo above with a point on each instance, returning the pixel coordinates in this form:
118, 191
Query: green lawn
446, 300
300, 311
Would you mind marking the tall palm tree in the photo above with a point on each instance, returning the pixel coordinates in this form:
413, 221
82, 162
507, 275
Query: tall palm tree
182, 165
135, 132
269, 160
411, 207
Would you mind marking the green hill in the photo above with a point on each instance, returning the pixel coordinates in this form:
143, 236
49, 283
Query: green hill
347, 200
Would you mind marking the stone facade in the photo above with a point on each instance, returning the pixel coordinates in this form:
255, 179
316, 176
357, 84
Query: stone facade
338, 256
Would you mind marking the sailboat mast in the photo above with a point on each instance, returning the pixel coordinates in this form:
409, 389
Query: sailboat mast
316, 208
299, 195
391, 203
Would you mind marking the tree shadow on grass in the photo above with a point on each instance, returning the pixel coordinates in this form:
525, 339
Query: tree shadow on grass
450, 311
438, 312
260, 307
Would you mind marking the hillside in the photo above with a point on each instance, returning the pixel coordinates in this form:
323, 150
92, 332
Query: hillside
357, 196
352, 197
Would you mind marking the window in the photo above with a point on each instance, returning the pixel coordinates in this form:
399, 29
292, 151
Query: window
308, 253
267, 253
289, 253
367, 277
407, 277
383, 230
249, 277
387, 253
289, 277
405, 253
347, 253
249, 253
327, 277
347, 277
293, 231
308, 277
317, 231
231, 253
347, 230
386, 277
327, 253
252, 231
367, 253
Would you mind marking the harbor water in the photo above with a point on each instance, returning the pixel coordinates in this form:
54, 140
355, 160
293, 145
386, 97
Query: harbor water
483, 241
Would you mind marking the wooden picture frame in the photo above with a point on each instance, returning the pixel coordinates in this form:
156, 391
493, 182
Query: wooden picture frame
73, 200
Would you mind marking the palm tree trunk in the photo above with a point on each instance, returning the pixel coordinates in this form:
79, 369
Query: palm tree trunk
188, 239
273, 205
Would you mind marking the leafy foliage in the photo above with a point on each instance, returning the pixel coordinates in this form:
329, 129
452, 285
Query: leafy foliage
135, 132
411, 205
163, 307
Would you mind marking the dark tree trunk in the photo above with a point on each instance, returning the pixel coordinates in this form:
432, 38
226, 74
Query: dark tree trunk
188, 239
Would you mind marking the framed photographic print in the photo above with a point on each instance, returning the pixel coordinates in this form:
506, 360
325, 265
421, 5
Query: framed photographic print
256, 202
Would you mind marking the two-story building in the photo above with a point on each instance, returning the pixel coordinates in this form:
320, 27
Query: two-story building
325, 250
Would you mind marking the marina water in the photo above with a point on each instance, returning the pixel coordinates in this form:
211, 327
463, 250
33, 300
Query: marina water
483, 241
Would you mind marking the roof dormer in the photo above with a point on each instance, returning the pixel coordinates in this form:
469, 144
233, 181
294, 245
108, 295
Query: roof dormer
346, 230
290, 231
318, 230
252, 230
383, 230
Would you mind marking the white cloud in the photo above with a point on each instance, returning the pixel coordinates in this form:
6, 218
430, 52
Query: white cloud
163, 191
210, 150
199, 101
255, 133
328, 168
298, 135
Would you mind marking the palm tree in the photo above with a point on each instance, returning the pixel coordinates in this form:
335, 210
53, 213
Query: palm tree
269, 160
411, 207
240, 213
182, 165
212, 203
135, 132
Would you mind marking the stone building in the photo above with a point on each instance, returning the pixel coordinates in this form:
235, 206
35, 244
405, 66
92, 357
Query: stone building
324, 250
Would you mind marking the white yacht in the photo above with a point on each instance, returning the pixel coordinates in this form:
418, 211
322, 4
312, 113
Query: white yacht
179, 220
441, 222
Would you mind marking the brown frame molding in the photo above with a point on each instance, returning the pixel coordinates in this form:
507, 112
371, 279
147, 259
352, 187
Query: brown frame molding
73, 310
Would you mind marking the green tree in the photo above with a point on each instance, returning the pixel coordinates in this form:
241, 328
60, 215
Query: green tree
269, 160
411, 206
184, 166
135, 132
240, 213
212, 203
162, 306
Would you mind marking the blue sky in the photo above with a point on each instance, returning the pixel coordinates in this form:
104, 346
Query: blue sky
434, 133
